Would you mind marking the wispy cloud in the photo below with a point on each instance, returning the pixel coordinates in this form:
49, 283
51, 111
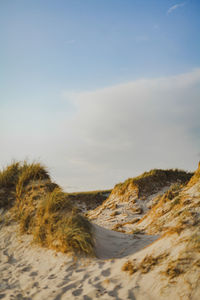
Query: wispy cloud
174, 7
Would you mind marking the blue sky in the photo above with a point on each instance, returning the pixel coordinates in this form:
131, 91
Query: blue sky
56, 55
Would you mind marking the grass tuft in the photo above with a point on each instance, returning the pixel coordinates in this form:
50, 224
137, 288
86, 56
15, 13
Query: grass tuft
195, 178
54, 221
150, 182
29, 172
129, 267
9, 175
41, 208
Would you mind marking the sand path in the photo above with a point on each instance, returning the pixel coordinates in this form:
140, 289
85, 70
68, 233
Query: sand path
30, 272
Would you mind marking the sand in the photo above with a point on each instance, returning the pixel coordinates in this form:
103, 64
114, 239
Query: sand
31, 272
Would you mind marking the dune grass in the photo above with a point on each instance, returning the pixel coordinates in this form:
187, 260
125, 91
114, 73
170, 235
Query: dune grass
42, 209
15, 177
149, 182
195, 178
29, 172
130, 267
55, 223
9, 175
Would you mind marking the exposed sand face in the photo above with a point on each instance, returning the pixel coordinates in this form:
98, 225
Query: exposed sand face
113, 213
111, 244
165, 268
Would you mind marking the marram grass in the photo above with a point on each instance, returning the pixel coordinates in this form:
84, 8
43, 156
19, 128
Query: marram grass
42, 209
30, 172
9, 175
148, 182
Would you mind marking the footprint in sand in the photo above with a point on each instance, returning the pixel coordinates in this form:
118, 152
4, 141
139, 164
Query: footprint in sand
131, 295
26, 269
77, 292
106, 272
52, 276
85, 297
32, 274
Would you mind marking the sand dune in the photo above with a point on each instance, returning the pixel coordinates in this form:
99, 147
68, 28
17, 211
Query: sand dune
161, 265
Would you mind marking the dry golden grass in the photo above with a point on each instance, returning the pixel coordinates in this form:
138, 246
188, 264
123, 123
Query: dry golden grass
117, 226
168, 207
129, 267
146, 265
195, 178
173, 270
113, 206
8, 180
9, 175
15, 177
44, 210
29, 172
148, 182
179, 266
149, 262
114, 213
54, 222
194, 241
136, 210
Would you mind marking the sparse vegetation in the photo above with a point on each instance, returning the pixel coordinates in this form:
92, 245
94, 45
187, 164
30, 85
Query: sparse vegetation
194, 241
146, 265
195, 178
114, 213
129, 267
117, 227
174, 269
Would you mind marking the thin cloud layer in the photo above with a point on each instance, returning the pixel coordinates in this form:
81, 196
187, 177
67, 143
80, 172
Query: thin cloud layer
122, 130
174, 7
113, 133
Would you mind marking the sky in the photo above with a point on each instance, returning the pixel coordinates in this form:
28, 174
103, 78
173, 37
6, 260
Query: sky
100, 90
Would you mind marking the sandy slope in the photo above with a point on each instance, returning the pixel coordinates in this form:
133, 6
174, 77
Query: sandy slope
31, 272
